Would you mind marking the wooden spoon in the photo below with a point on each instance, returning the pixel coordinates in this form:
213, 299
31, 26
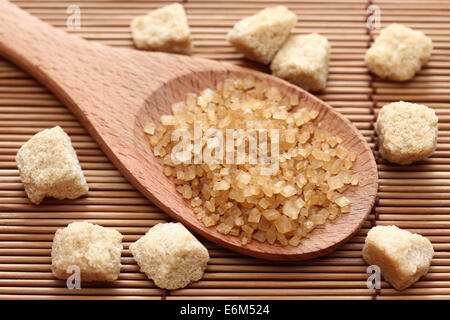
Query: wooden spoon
115, 92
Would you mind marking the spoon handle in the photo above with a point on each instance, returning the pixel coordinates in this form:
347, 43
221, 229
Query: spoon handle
112, 91
74, 69
88, 76
48, 54
104, 87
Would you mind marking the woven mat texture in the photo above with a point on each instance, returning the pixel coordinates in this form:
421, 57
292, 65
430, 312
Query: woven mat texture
413, 197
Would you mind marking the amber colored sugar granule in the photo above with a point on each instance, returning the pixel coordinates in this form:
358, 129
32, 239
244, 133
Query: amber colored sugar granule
239, 198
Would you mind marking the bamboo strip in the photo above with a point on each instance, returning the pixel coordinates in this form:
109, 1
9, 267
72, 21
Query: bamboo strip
83, 291
415, 224
267, 292
221, 32
417, 182
411, 297
421, 189
63, 222
412, 210
343, 22
212, 276
415, 202
328, 269
408, 85
192, 11
418, 98
271, 297
35, 240
71, 297
414, 217
118, 284
417, 167
45, 249
30, 231
129, 284
408, 195
417, 291
151, 213
362, 76
198, 4
85, 201
92, 186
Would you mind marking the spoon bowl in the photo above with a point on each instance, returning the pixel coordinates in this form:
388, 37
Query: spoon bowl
115, 92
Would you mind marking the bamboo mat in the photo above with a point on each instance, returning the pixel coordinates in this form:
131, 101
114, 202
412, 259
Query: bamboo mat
413, 197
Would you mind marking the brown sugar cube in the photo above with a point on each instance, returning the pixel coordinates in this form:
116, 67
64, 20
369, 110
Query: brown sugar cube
303, 60
260, 36
94, 249
170, 255
398, 53
403, 257
164, 29
407, 132
49, 167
